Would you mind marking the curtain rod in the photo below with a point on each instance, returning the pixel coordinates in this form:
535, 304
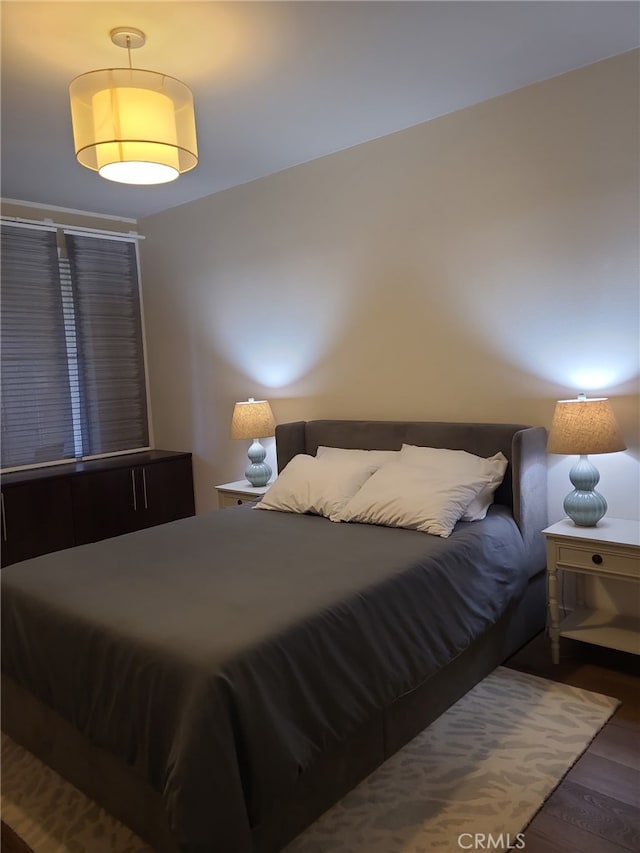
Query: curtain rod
74, 229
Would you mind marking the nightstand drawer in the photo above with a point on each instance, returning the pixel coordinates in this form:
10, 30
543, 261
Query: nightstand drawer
598, 560
225, 500
238, 493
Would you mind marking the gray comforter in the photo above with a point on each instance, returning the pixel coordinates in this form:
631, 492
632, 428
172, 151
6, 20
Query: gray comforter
221, 654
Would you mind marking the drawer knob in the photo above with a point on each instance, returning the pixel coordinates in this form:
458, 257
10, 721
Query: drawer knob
597, 559
239, 502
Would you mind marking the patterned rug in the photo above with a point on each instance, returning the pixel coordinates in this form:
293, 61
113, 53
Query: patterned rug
485, 766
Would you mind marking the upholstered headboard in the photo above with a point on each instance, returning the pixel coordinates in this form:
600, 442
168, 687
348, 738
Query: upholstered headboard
524, 488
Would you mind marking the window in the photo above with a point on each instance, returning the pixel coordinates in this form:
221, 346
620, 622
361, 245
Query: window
73, 375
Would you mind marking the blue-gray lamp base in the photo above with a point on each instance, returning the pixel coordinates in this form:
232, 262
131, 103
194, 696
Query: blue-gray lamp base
258, 472
584, 506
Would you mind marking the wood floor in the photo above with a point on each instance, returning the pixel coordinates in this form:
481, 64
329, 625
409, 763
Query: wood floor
596, 808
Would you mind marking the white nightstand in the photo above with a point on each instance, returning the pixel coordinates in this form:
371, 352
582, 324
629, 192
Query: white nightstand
240, 492
610, 550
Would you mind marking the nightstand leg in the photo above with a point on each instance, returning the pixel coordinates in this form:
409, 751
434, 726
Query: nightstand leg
554, 614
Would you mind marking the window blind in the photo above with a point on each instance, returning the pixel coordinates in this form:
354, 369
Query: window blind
110, 357
73, 372
36, 413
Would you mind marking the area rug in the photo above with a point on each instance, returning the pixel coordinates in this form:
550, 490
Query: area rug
485, 766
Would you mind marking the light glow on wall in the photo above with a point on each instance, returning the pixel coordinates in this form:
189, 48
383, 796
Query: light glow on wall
596, 378
577, 325
274, 329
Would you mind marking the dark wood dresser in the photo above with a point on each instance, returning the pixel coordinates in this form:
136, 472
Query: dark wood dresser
47, 509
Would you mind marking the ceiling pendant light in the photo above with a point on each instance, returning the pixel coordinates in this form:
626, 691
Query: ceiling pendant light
133, 126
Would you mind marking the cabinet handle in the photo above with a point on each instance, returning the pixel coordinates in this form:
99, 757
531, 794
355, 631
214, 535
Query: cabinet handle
144, 488
597, 559
4, 520
133, 489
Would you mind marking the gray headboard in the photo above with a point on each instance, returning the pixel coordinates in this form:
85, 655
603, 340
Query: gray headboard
524, 488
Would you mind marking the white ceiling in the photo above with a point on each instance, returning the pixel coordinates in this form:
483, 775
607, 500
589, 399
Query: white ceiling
276, 83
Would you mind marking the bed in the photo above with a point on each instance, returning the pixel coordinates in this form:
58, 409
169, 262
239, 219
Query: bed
218, 682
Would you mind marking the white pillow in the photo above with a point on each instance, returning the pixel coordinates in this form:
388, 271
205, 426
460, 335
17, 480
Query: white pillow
415, 496
321, 485
377, 456
466, 464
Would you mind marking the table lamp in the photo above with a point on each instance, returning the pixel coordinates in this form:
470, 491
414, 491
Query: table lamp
254, 419
584, 426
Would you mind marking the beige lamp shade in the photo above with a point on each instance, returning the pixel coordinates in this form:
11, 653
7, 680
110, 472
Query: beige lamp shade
133, 126
584, 426
252, 419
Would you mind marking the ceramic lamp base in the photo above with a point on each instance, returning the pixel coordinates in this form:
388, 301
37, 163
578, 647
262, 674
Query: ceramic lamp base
584, 506
258, 472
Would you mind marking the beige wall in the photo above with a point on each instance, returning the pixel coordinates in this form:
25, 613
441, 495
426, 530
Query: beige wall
476, 267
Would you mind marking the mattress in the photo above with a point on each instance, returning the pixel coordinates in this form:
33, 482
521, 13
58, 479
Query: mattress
220, 655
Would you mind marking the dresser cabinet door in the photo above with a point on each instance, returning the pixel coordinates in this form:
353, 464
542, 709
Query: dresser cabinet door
36, 519
165, 491
105, 504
